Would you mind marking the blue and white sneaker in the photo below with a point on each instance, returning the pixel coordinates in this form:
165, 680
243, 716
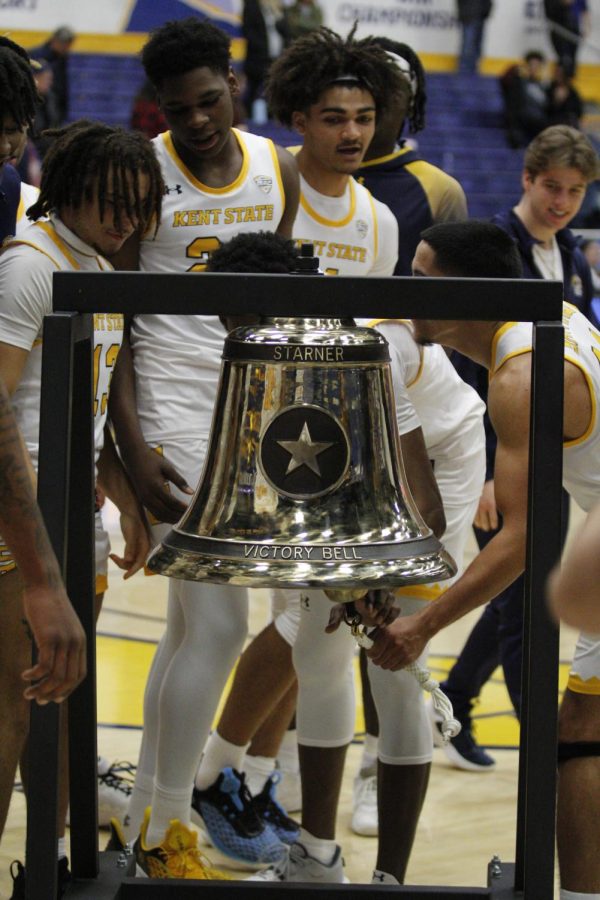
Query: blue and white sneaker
271, 812
232, 823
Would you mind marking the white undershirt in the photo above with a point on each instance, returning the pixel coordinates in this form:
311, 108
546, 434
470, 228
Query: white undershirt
549, 261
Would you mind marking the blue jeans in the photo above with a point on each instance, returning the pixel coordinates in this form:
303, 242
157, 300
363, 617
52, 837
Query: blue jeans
470, 51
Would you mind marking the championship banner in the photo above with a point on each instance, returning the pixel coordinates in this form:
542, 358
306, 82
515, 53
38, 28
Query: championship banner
430, 26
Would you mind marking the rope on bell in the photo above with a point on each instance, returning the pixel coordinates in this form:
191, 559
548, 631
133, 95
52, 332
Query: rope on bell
449, 726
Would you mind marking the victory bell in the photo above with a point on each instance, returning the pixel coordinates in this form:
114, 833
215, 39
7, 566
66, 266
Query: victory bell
303, 484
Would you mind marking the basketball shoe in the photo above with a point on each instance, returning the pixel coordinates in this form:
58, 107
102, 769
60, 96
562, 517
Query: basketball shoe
17, 873
364, 803
270, 811
115, 783
299, 865
233, 824
176, 857
462, 751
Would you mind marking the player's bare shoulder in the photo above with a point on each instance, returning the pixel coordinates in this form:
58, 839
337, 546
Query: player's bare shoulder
509, 399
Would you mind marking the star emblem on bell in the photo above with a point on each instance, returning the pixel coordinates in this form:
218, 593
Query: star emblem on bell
304, 452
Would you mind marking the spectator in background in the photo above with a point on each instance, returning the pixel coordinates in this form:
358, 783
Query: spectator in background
265, 28
525, 94
302, 17
48, 115
146, 115
565, 106
471, 15
56, 52
572, 21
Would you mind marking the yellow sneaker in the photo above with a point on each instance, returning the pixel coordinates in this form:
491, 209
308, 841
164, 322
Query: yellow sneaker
176, 857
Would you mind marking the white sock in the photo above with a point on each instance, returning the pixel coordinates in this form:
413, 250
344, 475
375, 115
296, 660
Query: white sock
381, 877
141, 798
257, 769
319, 848
288, 752
369, 754
167, 805
62, 847
218, 753
575, 895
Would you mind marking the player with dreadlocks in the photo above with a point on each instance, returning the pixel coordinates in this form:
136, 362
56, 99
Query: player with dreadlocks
330, 90
98, 185
418, 193
18, 103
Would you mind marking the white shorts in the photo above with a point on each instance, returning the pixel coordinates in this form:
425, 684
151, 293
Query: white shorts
584, 677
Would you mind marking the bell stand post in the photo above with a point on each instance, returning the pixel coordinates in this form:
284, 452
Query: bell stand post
66, 497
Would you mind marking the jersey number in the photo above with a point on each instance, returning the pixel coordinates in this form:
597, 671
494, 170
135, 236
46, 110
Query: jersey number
109, 361
201, 248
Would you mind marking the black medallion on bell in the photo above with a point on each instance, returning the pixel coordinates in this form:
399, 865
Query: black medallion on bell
304, 452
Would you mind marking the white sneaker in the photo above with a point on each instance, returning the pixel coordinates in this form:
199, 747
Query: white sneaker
299, 866
364, 804
289, 789
380, 877
115, 783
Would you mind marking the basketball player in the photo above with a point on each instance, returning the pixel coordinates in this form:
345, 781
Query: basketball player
505, 348
573, 586
98, 185
558, 165
219, 182
329, 89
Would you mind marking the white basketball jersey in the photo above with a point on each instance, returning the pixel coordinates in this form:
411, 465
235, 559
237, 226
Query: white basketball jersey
352, 235
581, 457
450, 412
178, 358
44, 248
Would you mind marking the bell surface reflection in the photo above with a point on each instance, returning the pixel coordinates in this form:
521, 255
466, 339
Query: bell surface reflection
303, 484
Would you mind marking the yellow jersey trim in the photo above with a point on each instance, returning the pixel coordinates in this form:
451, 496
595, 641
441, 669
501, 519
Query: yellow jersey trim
421, 591
383, 159
20, 208
330, 223
205, 188
501, 331
579, 686
592, 424
375, 322
49, 230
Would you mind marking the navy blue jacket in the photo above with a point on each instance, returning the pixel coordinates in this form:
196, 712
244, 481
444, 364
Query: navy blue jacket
10, 195
577, 278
